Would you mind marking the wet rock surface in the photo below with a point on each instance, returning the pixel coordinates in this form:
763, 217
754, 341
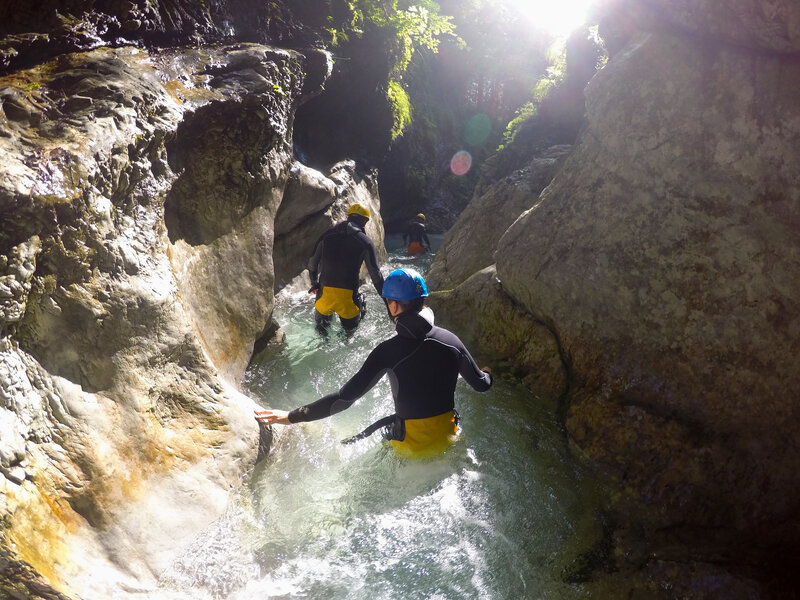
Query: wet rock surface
138, 197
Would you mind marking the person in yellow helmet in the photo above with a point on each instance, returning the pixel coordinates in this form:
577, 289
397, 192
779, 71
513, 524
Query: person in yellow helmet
416, 237
334, 269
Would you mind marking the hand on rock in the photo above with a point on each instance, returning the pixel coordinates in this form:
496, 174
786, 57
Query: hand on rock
272, 417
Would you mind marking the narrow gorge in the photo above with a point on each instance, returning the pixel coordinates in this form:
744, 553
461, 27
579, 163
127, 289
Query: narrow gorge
166, 167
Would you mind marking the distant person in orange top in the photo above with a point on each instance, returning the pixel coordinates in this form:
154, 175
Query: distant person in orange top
415, 236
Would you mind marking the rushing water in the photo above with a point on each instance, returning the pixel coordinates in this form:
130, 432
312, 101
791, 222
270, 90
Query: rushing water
488, 519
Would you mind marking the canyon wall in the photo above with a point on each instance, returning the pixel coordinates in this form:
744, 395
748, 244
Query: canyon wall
139, 198
662, 262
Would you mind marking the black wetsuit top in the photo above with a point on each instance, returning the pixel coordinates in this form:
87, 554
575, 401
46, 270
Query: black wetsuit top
341, 250
415, 232
423, 363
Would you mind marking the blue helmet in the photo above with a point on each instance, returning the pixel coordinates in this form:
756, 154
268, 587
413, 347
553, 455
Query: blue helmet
404, 285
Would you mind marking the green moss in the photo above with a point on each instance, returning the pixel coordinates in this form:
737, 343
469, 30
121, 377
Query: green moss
401, 107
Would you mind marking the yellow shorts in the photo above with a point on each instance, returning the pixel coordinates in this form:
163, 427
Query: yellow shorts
427, 437
337, 300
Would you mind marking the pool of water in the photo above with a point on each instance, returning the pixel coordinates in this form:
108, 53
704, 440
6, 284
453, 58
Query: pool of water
488, 519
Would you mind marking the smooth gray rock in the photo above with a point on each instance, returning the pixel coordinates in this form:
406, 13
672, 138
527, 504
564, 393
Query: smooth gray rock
664, 256
314, 202
138, 194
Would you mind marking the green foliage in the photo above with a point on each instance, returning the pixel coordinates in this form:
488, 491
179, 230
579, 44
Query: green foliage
572, 63
419, 179
408, 26
418, 26
553, 77
401, 107
411, 25
525, 112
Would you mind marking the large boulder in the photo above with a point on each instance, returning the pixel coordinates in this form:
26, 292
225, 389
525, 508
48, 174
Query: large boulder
313, 202
470, 244
664, 257
504, 335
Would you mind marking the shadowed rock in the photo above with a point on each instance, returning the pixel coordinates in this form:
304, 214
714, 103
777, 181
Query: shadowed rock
664, 259
470, 244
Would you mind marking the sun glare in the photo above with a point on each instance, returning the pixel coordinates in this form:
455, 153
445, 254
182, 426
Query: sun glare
559, 17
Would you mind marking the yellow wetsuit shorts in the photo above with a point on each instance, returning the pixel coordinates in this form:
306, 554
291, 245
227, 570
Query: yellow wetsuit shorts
337, 300
427, 437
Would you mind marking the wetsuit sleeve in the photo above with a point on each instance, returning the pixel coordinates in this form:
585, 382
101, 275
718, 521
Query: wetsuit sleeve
313, 262
472, 374
371, 260
427, 241
368, 375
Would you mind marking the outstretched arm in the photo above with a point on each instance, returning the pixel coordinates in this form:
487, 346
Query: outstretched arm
272, 417
358, 385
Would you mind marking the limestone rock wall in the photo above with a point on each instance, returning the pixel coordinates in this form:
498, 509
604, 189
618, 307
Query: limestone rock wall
138, 196
664, 260
503, 334
314, 202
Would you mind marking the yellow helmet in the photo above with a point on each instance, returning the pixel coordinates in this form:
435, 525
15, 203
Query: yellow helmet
357, 209
421, 216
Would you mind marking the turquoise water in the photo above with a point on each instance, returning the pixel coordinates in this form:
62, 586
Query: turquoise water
488, 519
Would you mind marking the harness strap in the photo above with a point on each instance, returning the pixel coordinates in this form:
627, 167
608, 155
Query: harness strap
384, 422
397, 433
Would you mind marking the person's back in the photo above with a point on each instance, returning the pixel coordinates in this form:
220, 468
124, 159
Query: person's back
424, 361
345, 247
416, 237
334, 269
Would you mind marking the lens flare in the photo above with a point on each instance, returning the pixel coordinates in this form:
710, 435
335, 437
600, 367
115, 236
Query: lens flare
461, 162
559, 18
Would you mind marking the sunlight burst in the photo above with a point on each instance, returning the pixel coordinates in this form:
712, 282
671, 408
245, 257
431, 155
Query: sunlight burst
559, 17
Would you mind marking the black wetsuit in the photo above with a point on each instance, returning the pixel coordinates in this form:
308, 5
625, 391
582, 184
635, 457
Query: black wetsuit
339, 253
423, 363
336, 263
415, 232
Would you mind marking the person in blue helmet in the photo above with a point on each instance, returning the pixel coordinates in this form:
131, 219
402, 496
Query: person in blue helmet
423, 363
